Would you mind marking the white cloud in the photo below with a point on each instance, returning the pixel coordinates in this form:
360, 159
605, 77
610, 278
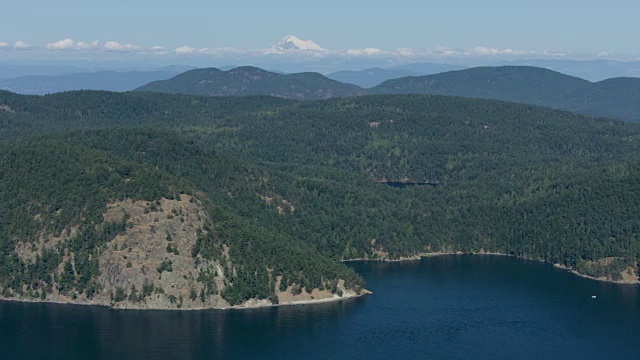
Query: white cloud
229, 51
21, 45
119, 47
405, 52
360, 52
154, 50
364, 52
223, 51
274, 51
247, 55
112, 46
483, 50
187, 50
555, 53
415, 53
446, 51
68, 44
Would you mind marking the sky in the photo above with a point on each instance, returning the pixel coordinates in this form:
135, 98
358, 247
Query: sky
586, 28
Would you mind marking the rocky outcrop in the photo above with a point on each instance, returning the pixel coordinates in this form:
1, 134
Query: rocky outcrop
296, 295
152, 263
155, 255
7, 108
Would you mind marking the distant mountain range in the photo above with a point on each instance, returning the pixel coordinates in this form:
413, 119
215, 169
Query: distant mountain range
374, 76
249, 80
10, 71
509, 83
374, 72
103, 80
617, 97
592, 70
370, 77
428, 68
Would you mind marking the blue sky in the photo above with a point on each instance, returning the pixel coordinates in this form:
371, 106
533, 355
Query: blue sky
563, 26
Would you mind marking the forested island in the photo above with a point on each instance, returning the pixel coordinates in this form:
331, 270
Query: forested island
149, 200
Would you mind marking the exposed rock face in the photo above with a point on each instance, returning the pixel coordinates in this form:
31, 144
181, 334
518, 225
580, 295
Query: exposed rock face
155, 251
28, 252
282, 205
7, 108
151, 264
294, 294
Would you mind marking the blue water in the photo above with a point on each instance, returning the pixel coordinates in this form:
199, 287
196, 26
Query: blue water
465, 307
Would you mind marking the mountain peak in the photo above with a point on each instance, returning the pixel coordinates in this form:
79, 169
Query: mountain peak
291, 42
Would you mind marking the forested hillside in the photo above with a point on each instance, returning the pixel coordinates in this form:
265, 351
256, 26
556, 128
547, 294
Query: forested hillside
280, 190
57, 193
615, 98
249, 80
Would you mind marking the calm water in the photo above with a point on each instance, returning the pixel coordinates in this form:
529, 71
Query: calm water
445, 307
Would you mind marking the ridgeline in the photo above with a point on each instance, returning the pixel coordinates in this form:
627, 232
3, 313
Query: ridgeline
614, 98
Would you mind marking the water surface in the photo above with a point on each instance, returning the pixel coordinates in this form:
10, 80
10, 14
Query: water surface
442, 307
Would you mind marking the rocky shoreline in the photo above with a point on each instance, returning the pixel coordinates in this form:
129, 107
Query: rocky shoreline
251, 304
151, 265
626, 279
316, 296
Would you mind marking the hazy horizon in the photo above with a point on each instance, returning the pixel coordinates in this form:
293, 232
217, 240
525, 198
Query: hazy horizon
405, 32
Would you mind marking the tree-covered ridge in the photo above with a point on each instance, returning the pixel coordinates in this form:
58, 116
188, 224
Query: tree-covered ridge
52, 185
615, 98
300, 182
50, 188
248, 80
508, 83
496, 164
21, 114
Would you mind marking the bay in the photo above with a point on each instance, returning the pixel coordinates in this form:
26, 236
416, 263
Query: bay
454, 306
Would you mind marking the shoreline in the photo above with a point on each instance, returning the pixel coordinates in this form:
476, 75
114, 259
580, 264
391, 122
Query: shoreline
257, 304
363, 293
557, 266
252, 304
441, 253
401, 259
574, 272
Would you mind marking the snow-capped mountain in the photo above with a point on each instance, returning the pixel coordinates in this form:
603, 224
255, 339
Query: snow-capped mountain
291, 42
